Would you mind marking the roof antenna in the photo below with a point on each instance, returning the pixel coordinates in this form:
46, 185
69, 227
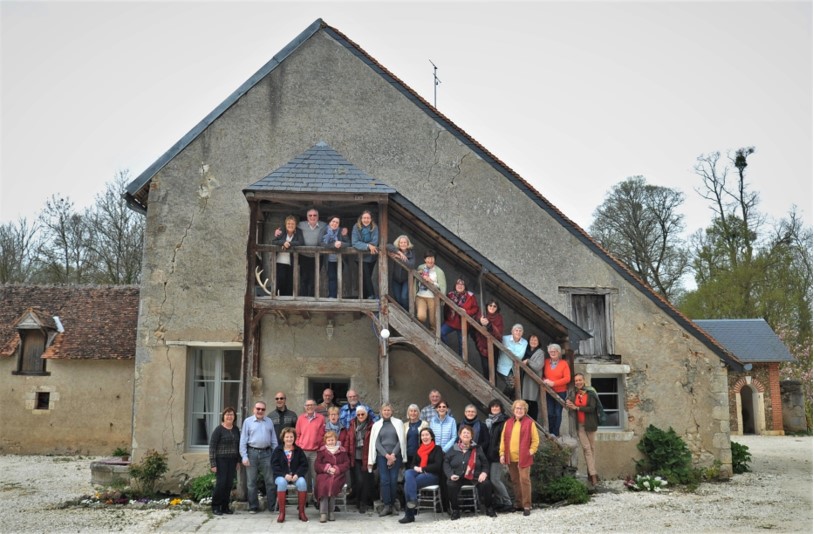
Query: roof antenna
436, 83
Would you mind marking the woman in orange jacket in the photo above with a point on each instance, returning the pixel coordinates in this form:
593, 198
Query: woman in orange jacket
557, 376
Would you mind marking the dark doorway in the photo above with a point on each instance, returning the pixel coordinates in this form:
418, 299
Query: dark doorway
747, 410
340, 386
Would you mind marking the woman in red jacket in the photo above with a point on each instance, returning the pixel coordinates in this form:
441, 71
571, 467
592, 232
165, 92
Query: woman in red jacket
492, 320
557, 376
452, 321
331, 465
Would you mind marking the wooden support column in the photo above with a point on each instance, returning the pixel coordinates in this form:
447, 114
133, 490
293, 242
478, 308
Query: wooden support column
384, 323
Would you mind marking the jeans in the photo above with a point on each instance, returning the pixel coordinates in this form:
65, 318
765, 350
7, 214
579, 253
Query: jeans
446, 330
414, 481
496, 470
259, 460
400, 293
388, 478
282, 484
367, 279
332, 279
554, 413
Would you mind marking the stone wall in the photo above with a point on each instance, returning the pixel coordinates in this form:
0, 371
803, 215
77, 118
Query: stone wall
89, 410
794, 412
195, 264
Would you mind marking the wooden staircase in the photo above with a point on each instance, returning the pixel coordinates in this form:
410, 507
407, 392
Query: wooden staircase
443, 359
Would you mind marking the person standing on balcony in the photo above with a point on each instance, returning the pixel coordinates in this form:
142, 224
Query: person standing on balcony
292, 237
557, 376
312, 229
334, 238
424, 298
365, 237
452, 323
505, 362
402, 250
492, 321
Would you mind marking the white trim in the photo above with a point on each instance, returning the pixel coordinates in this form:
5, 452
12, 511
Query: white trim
216, 344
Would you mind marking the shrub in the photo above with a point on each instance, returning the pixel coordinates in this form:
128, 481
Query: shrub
551, 463
665, 455
120, 452
645, 483
740, 458
567, 489
149, 470
201, 487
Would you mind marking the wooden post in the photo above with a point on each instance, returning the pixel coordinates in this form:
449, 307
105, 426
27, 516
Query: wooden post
382, 246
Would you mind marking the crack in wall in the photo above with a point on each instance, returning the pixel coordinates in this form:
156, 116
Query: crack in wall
458, 168
434, 155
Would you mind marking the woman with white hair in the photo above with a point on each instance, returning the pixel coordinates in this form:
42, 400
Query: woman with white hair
557, 376
505, 362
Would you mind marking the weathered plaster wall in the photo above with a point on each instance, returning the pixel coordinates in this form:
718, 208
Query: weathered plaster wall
195, 269
90, 408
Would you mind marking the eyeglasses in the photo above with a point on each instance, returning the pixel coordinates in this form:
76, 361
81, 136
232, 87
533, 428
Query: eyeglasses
256, 409
279, 398
313, 215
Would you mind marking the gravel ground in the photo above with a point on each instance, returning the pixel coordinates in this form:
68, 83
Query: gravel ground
776, 495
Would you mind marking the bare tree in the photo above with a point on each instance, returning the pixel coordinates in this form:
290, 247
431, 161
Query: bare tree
65, 255
640, 225
18, 247
116, 234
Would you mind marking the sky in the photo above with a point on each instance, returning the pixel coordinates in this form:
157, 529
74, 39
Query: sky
574, 96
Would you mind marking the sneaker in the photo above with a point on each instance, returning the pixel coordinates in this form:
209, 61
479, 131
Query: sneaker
252, 510
386, 510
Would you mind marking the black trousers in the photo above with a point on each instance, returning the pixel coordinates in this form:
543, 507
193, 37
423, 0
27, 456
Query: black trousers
362, 484
534, 409
224, 480
484, 490
306, 276
285, 279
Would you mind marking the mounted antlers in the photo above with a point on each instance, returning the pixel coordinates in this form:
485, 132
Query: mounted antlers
257, 272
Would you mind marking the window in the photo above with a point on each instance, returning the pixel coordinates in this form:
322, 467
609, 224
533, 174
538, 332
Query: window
340, 387
213, 384
43, 400
610, 390
32, 347
591, 309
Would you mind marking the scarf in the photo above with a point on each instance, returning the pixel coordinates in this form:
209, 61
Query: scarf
581, 400
458, 298
334, 449
470, 465
553, 363
334, 427
367, 233
423, 453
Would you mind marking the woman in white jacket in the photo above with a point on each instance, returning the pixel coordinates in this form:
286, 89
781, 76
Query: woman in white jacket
388, 448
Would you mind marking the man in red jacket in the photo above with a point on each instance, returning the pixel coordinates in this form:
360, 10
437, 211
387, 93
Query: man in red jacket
310, 431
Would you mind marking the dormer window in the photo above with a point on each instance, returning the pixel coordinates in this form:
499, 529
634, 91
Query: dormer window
32, 347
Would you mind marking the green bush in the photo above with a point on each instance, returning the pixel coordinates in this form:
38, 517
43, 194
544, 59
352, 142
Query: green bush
201, 487
666, 455
740, 458
120, 451
567, 489
149, 470
552, 462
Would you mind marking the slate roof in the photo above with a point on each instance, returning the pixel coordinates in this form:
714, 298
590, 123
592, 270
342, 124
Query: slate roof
751, 340
320, 169
99, 321
137, 191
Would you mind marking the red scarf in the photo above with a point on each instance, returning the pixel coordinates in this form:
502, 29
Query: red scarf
424, 453
470, 465
581, 400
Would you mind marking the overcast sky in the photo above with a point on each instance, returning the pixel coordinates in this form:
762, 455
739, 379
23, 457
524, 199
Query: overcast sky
575, 96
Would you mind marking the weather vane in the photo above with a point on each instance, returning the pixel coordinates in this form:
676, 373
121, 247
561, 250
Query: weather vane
436, 82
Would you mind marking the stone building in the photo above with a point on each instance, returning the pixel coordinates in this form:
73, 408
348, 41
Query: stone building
213, 331
755, 400
66, 368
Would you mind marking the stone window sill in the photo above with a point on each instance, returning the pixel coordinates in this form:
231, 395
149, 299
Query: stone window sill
614, 435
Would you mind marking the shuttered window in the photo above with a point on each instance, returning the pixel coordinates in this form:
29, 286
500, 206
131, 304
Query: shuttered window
31, 362
589, 312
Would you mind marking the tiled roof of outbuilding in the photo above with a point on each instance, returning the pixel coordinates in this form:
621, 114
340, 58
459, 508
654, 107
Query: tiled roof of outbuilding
99, 321
320, 169
751, 340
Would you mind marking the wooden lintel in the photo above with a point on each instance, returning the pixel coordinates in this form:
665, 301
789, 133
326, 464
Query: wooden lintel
310, 304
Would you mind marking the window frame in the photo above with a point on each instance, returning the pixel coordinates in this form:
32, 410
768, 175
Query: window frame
620, 399
606, 293
22, 360
193, 382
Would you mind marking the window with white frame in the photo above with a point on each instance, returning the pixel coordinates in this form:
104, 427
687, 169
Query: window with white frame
213, 384
610, 389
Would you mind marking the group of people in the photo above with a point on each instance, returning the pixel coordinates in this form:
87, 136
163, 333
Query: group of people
328, 447
315, 233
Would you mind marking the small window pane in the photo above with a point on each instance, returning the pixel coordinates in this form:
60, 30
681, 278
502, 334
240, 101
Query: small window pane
609, 391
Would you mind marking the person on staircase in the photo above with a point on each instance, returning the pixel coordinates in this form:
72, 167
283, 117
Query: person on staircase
492, 321
400, 280
452, 321
431, 275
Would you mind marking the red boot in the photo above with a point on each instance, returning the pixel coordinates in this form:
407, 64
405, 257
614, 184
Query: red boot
302, 496
281, 506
